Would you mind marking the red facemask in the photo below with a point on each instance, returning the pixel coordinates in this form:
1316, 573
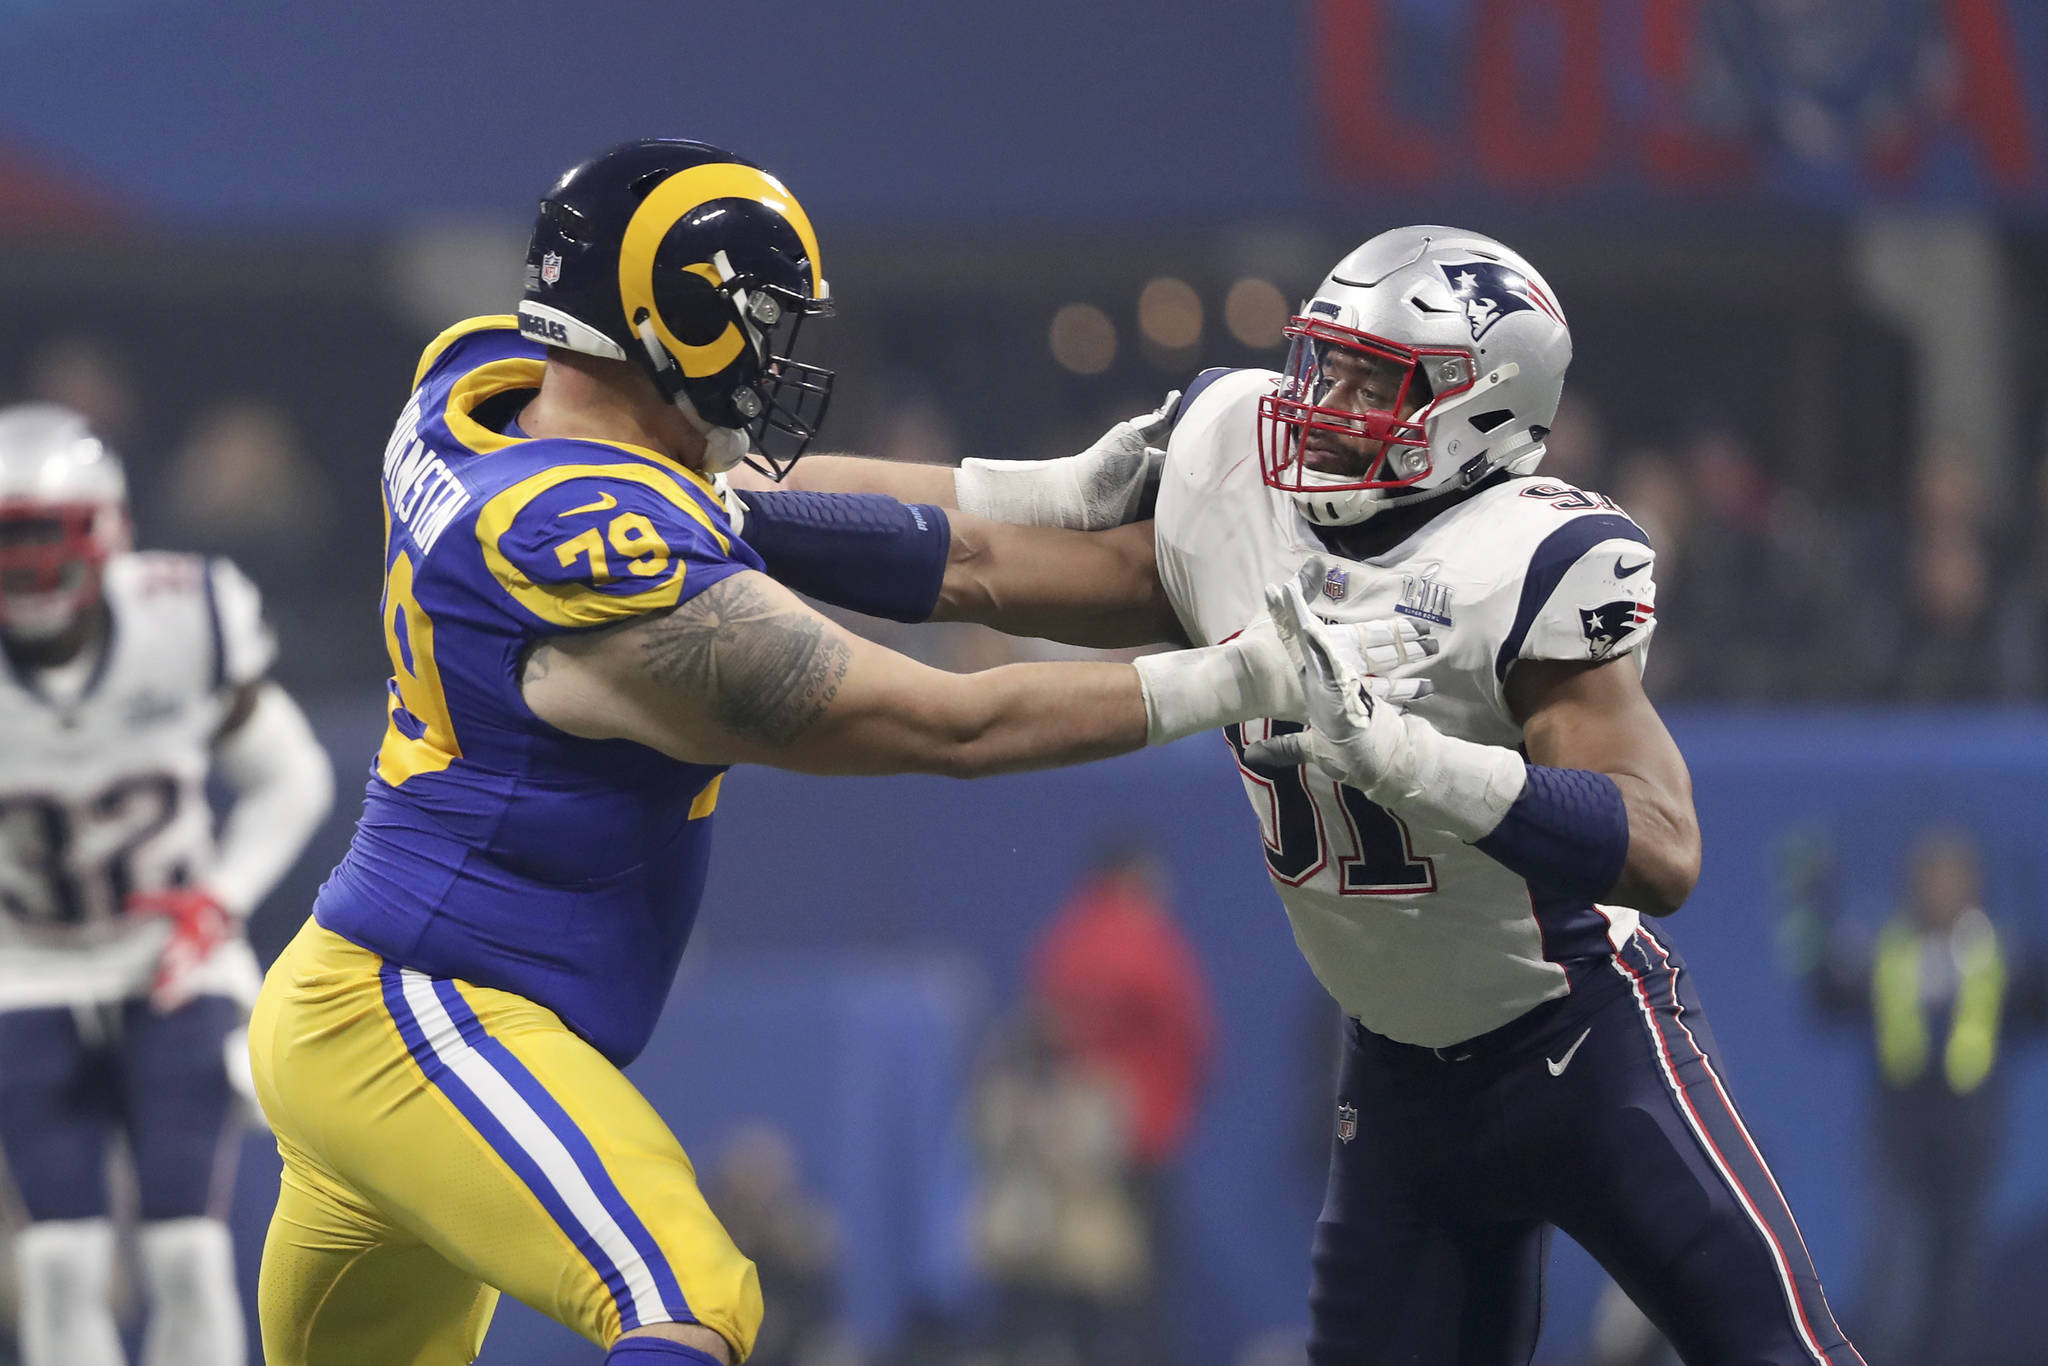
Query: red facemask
51, 558
1297, 409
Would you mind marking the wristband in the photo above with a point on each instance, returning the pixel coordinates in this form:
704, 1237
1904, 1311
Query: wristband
1247, 676
1448, 784
857, 550
1567, 833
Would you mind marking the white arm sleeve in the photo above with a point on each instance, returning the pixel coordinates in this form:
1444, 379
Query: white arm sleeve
283, 786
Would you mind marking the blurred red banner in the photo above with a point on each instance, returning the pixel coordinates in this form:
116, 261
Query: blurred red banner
1838, 98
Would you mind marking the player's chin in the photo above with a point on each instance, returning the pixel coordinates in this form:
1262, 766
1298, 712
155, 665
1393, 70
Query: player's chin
1335, 462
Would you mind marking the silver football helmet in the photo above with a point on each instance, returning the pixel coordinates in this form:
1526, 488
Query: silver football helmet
1429, 358
63, 514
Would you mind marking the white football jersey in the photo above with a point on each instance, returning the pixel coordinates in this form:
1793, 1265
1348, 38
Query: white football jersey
103, 788
1421, 936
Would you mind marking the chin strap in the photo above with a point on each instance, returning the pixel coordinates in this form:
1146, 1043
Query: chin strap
724, 447
1524, 462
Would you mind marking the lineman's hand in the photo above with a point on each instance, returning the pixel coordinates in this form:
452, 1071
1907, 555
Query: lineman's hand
1113, 482
1365, 650
1254, 674
1356, 731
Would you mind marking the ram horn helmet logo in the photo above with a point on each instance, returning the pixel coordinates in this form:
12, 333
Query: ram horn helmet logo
551, 267
1490, 291
1347, 1123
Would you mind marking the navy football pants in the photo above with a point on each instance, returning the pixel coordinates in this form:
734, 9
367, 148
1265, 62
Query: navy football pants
69, 1078
1433, 1236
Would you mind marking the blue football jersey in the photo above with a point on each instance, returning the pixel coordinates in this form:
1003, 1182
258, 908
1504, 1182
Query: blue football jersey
492, 847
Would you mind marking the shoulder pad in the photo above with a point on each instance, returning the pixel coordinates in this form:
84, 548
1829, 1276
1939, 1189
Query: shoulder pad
588, 544
1220, 386
1589, 592
244, 645
505, 325
1196, 387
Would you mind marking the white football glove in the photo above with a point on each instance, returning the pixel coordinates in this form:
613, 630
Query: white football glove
1111, 483
1354, 735
1359, 735
1253, 675
1367, 650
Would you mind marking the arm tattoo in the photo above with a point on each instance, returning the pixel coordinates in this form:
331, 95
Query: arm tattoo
771, 672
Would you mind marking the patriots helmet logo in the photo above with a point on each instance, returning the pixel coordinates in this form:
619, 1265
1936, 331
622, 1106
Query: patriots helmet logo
1490, 291
1609, 624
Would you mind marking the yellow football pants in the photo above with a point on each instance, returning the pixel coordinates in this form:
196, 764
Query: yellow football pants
443, 1142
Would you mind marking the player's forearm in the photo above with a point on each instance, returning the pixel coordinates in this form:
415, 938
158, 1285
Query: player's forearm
1003, 720
1571, 832
745, 673
1618, 796
908, 562
1098, 589
1026, 716
283, 786
903, 480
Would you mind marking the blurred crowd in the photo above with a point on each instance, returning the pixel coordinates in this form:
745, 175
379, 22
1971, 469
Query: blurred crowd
1933, 591
1931, 586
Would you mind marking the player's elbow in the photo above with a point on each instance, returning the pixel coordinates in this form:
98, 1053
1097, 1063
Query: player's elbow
967, 752
1662, 871
967, 737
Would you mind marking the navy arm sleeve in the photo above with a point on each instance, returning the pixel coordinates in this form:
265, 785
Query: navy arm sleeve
861, 551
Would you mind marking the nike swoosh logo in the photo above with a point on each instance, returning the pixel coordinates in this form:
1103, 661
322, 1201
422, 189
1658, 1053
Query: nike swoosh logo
1558, 1065
605, 502
1621, 573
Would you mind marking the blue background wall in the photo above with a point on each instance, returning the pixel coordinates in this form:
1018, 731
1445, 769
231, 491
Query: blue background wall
241, 113
861, 1049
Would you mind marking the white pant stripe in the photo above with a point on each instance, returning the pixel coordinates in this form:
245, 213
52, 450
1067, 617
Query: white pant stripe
1713, 1151
538, 1141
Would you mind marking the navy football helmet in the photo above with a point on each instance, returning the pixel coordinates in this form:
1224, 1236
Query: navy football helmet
698, 267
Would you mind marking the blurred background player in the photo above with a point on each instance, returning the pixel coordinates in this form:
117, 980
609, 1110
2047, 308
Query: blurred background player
1058, 1224
131, 679
1944, 997
1123, 992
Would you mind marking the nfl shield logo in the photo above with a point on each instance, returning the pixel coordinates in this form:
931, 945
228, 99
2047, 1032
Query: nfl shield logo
1347, 1123
551, 267
1336, 584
